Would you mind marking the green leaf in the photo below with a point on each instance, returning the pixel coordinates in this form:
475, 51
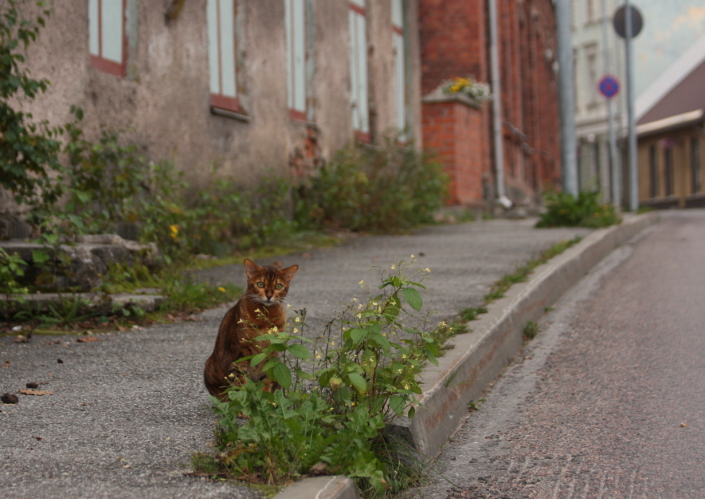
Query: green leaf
357, 335
40, 256
432, 358
413, 298
358, 381
396, 403
411, 412
305, 375
299, 351
282, 375
257, 359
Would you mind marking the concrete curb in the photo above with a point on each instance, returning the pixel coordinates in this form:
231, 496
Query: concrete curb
477, 358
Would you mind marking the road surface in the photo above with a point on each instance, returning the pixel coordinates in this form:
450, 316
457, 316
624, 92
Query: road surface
609, 400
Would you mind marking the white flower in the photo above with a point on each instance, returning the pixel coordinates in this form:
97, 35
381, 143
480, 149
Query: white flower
361, 282
393, 267
296, 330
297, 319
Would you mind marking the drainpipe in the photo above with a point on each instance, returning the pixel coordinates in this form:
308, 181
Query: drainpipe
497, 108
566, 96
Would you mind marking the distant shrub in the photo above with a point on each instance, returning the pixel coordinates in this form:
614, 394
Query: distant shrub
565, 210
377, 189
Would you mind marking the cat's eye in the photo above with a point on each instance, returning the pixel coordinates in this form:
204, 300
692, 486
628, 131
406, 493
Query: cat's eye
278, 286
260, 284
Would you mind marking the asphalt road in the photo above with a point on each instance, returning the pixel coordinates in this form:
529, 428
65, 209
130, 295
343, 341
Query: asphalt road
609, 400
127, 411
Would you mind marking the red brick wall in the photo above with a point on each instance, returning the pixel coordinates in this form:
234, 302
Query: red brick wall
454, 42
454, 131
453, 39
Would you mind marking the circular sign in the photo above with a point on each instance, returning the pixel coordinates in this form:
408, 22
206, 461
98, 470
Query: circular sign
620, 21
609, 86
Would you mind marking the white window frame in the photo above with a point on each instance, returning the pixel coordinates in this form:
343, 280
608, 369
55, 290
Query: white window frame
296, 58
221, 19
400, 79
358, 69
107, 36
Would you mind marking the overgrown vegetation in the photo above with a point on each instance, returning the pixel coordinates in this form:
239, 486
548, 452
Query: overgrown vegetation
565, 210
110, 185
28, 149
376, 189
337, 394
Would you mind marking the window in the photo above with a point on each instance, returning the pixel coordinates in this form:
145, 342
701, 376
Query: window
296, 57
358, 69
222, 54
668, 169
400, 97
107, 41
653, 169
695, 164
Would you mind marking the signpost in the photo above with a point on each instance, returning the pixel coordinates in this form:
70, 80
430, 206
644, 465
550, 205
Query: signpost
628, 23
609, 86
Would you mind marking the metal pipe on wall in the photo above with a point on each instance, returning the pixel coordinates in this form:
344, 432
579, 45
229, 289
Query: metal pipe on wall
496, 102
566, 96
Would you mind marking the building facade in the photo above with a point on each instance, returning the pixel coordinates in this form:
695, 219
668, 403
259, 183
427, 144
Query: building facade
671, 134
242, 88
597, 52
455, 43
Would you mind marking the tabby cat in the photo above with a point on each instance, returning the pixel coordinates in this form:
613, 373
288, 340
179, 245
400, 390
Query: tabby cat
260, 309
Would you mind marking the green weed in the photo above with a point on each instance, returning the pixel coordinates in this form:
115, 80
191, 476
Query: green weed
565, 210
531, 330
337, 394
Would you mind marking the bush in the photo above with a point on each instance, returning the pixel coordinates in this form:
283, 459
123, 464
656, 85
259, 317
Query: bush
382, 188
337, 394
28, 150
565, 210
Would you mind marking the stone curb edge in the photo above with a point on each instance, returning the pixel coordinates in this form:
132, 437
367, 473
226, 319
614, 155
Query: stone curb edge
465, 371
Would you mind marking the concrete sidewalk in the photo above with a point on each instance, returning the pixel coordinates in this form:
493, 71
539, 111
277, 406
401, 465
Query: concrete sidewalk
127, 411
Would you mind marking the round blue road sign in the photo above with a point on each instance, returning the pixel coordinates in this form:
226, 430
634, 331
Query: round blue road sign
609, 86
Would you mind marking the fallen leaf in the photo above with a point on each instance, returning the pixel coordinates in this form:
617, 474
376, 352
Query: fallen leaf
21, 339
683, 425
120, 328
59, 361
39, 438
35, 392
127, 466
86, 339
32, 385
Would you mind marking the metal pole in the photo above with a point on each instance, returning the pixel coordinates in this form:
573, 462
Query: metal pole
615, 192
633, 179
566, 97
496, 102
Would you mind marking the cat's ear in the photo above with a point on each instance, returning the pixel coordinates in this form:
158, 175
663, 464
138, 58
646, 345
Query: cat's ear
251, 267
289, 272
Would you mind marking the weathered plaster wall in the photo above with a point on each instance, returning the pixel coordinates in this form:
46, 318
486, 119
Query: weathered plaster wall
163, 103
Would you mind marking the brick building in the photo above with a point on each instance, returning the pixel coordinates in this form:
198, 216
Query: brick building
454, 37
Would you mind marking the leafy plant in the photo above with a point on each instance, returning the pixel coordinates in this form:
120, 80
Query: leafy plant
383, 188
531, 330
565, 210
337, 394
28, 150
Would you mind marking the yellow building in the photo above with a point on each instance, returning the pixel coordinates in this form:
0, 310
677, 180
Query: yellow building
671, 134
